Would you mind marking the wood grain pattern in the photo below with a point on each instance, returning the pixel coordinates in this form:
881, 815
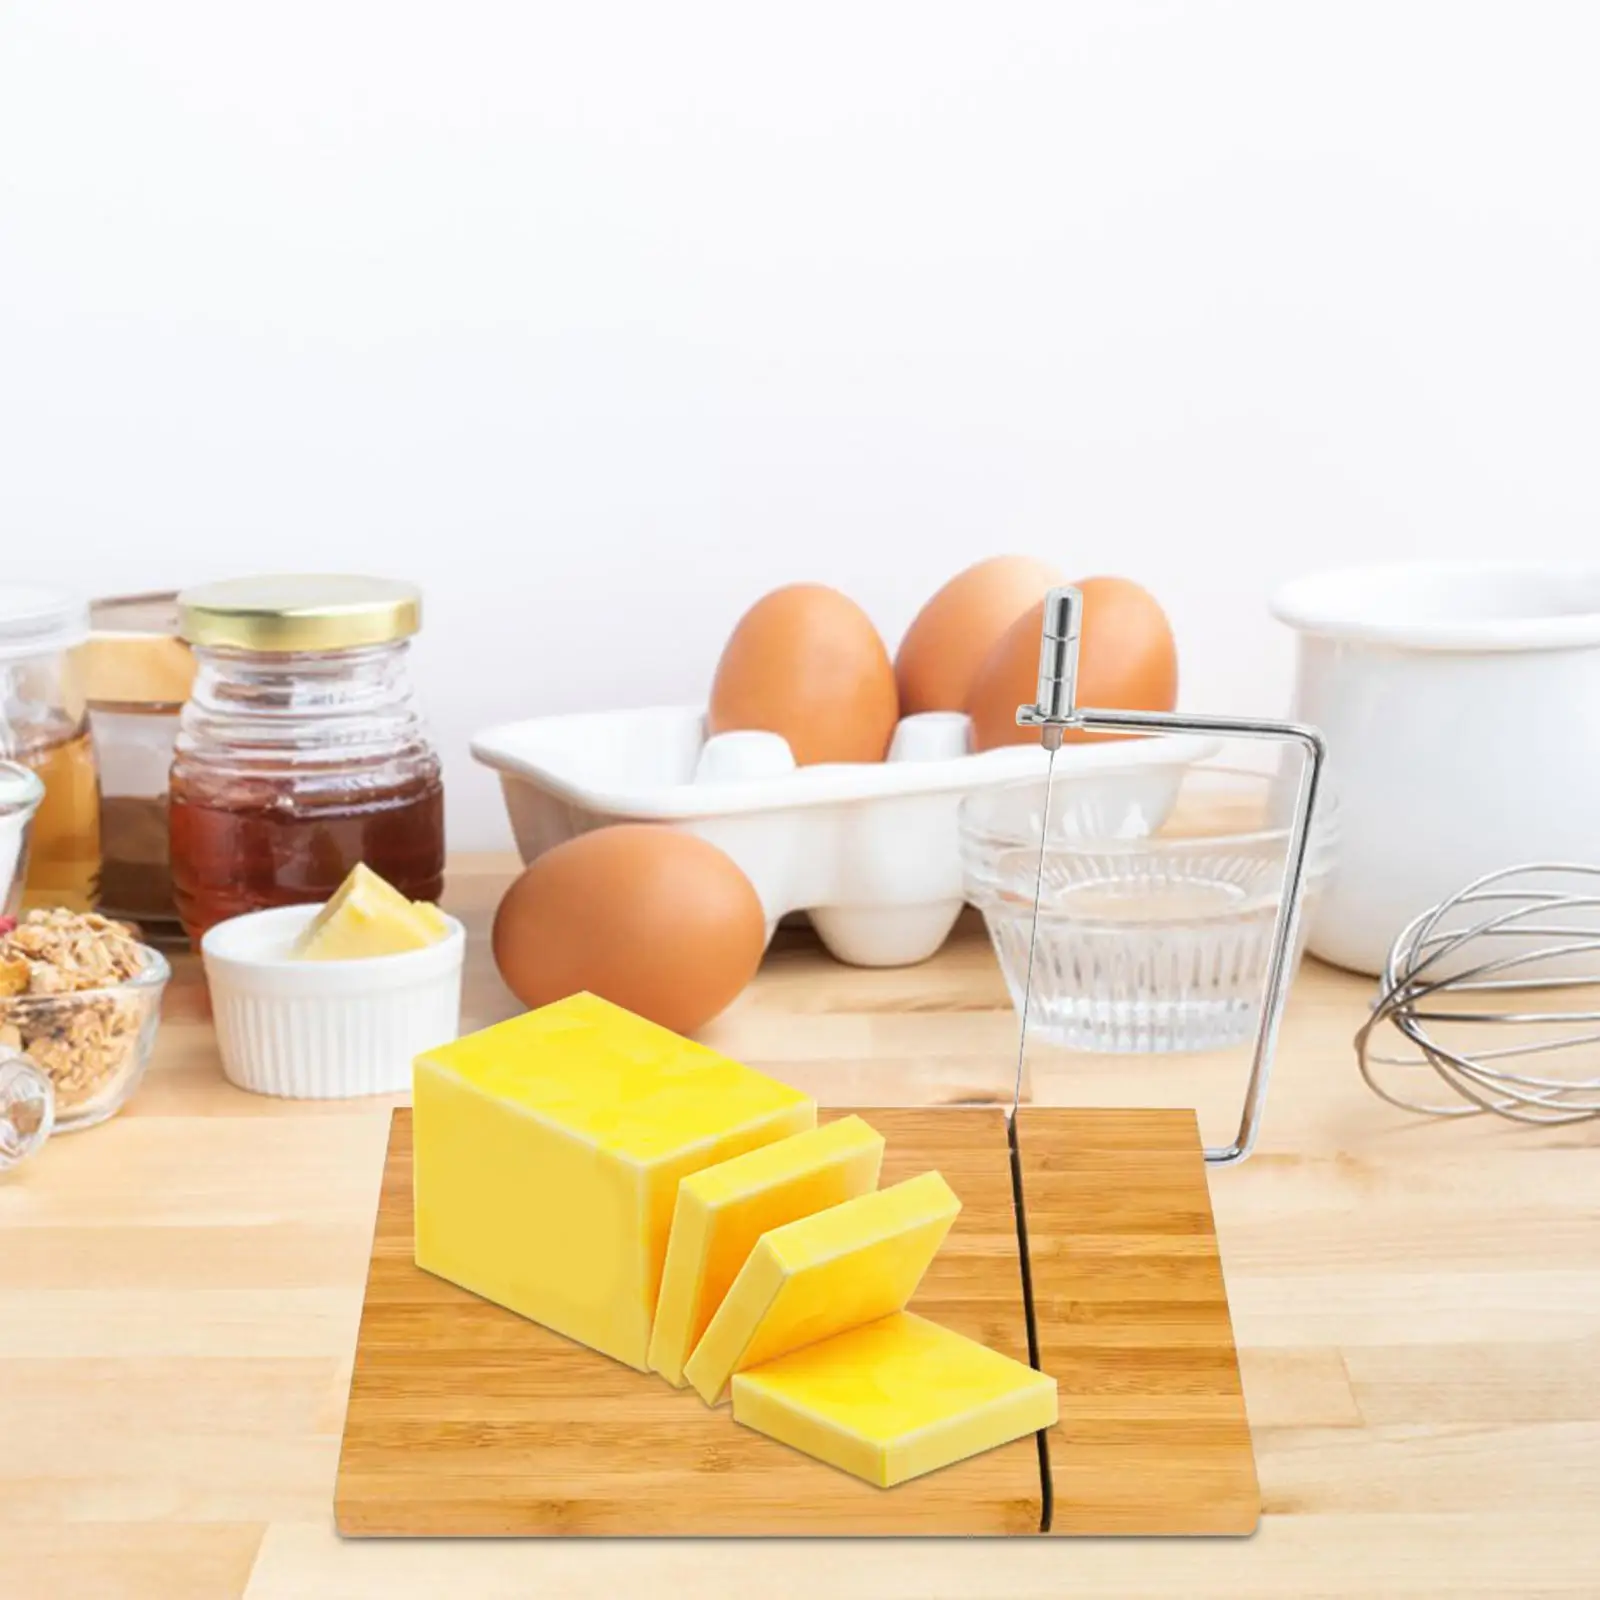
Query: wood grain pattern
1132, 1321
466, 1419
1416, 1307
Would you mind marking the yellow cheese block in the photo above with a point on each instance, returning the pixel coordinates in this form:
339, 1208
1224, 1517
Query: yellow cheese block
894, 1399
722, 1212
820, 1276
547, 1153
368, 917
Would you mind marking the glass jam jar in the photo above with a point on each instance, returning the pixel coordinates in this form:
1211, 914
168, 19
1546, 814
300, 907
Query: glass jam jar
137, 674
43, 726
301, 751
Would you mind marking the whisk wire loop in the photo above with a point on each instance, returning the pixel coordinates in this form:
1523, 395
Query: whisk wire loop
1496, 936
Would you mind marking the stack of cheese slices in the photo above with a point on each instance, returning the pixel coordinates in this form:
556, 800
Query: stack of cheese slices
680, 1212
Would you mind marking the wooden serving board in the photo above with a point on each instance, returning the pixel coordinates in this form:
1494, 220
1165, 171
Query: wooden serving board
468, 1420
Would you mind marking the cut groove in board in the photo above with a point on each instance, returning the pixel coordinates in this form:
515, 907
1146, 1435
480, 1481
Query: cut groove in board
466, 1419
1046, 1487
1131, 1318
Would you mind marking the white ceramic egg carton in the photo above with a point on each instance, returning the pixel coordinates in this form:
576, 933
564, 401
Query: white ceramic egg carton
868, 850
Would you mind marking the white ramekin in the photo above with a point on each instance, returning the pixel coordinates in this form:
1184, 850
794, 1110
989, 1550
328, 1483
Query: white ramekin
326, 1030
1461, 706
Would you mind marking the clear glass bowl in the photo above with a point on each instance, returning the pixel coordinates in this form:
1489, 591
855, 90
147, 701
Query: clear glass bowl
20, 795
1159, 896
93, 1043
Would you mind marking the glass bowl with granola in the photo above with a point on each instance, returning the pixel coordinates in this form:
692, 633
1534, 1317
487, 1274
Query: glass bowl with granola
80, 997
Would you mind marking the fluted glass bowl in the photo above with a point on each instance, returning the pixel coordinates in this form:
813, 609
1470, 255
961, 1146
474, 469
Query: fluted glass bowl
1159, 897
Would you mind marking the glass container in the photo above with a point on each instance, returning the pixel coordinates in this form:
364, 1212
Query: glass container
44, 725
137, 673
1158, 899
20, 795
27, 1108
301, 751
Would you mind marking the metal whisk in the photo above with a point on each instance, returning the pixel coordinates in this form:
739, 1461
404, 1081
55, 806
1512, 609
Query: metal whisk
1519, 931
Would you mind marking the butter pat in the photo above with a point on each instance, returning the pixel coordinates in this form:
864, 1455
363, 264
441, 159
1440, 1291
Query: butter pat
811, 1279
548, 1152
894, 1399
722, 1211
368, 917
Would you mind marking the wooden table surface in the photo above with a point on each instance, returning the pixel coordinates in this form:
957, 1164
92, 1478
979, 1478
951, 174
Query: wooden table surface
1417, 1306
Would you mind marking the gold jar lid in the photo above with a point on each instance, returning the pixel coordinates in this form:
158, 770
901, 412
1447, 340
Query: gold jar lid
295, 612
133, 655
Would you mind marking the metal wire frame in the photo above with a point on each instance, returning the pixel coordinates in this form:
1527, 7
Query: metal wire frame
1054, 713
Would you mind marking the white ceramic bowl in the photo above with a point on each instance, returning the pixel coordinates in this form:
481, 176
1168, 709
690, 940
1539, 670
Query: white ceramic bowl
326, 1030
1461, 706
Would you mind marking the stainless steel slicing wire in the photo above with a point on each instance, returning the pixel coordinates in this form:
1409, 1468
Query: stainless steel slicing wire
1033, 929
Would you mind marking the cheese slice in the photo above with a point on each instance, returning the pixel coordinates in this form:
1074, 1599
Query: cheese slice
894, 1399
368, 917
547, 1153
723, 1210
825, 1274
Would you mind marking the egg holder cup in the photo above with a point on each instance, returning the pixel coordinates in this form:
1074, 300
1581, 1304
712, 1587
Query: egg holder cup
869, 851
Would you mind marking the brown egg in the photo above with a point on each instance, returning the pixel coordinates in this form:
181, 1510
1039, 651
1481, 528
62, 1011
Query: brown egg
953, 633
649, 918
1127, 661
806, 662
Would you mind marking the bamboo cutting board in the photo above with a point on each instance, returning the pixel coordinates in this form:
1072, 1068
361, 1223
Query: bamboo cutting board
1133, 1323
466, 1419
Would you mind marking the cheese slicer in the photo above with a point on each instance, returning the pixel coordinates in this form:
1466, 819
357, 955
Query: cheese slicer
1055, 713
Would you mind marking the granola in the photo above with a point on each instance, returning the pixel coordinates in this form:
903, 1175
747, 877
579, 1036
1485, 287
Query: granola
48, 963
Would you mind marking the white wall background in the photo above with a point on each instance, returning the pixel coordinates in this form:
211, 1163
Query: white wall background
599, 319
